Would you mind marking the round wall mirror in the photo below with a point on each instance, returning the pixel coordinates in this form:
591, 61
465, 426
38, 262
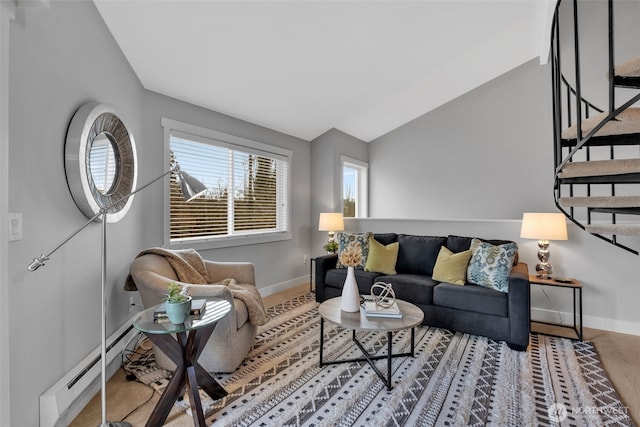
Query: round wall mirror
100, 161
103, 162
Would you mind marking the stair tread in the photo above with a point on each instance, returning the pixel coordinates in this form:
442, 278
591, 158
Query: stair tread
617, 229
630, 68
601, 201
627, 122
600, 167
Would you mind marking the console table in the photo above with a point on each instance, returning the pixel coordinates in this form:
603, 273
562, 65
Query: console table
576, 287
192, 335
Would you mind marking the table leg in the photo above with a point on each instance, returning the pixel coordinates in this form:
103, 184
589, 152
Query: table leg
165, 403
389, 356
413, 342
321, 339
184, 352
580, 299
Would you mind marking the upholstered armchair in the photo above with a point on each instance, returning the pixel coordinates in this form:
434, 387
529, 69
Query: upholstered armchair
233, 336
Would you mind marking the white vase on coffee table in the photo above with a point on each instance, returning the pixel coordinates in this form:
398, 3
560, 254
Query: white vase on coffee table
350, 294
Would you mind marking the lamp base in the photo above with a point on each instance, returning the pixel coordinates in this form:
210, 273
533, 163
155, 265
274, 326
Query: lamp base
115, 424
544, 269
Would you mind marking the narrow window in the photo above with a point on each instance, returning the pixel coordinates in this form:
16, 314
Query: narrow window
354, 188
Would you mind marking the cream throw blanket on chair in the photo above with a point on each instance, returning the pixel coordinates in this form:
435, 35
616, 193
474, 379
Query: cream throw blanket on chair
190, 268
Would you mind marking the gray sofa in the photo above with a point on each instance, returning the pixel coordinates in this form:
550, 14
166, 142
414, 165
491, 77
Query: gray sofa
470, 308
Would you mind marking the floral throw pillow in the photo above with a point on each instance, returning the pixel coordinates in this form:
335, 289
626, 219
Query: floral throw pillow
354, 239
490, 265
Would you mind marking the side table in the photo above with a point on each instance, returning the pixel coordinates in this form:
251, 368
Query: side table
573, 284
311, 262
192, 335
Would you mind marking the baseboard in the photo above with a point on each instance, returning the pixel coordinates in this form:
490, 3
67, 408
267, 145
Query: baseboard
65, 399
594, 322
283, 286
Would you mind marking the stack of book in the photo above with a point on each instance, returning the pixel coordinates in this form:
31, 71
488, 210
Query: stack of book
373, 310
197, 309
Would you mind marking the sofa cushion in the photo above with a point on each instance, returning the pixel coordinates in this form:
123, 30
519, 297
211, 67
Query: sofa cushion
490, 265
335, 279
417, 254
415, 288
458, 244
451, 267
386, 238
471, 298
345, 239
382, 258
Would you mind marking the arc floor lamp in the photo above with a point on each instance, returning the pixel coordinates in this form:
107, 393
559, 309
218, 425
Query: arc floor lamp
101, 169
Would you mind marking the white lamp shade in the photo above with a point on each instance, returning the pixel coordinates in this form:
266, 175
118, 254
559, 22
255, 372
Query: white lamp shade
331, 221
544, 226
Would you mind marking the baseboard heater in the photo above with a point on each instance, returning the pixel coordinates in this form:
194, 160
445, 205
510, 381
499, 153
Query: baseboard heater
65, 399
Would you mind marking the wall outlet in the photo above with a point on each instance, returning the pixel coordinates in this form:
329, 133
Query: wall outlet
132, 303
306, 259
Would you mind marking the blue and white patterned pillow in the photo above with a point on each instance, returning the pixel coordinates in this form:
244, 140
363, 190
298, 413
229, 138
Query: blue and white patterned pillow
344, 239
490, 265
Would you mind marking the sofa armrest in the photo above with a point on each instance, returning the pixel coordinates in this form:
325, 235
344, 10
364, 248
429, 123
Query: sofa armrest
519, 307
323, 264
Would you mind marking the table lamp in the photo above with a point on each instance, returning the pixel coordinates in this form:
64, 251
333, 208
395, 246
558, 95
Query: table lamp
544, 227
331, 222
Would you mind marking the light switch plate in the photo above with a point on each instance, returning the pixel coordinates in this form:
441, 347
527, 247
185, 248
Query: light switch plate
15, 227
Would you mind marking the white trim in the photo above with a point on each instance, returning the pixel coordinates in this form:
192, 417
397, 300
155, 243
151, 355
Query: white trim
545, 39
64, 400
594, 322
7, 13
243, 143
283, 286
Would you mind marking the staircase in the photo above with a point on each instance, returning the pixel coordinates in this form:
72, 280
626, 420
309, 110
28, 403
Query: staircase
596, 150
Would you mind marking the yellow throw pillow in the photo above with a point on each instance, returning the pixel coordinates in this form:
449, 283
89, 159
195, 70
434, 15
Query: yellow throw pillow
382, 259
451, 267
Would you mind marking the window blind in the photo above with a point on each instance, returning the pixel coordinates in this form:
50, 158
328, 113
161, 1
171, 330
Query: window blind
247, 190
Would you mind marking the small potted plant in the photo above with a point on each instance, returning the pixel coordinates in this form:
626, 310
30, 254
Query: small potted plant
177, 303
331, 247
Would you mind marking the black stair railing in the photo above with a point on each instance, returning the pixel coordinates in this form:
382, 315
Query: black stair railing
570, 108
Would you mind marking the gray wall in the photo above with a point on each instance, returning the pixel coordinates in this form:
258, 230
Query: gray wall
60, 58
288, 255
485, 155
473, 166
326, 176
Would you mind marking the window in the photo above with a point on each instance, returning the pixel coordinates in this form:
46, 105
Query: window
247, 197
354, 188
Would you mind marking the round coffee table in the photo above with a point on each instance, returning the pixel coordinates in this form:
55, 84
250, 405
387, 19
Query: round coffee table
412, 316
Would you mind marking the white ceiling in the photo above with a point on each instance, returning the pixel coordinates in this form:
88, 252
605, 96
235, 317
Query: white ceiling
304, 67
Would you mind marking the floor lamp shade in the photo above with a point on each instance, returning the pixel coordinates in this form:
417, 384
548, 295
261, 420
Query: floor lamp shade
544, 227
190, 186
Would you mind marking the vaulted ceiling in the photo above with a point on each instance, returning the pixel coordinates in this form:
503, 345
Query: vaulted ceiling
303, 67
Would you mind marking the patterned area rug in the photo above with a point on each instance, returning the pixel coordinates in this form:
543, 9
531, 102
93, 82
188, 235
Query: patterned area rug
455, 379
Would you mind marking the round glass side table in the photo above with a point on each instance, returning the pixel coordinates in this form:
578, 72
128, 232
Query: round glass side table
192, 335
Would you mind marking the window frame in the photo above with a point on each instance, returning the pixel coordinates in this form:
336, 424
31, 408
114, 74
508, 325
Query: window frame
201, 134
362, 185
